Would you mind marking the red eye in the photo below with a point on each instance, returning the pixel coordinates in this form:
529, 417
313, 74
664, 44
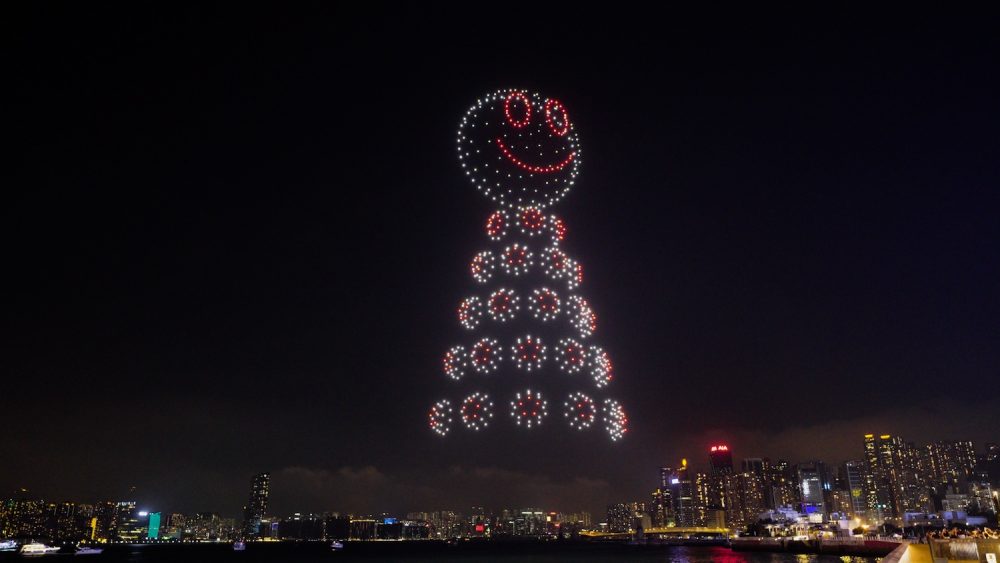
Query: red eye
517, 104
556, 117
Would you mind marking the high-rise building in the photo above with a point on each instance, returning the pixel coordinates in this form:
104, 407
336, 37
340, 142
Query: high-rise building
839, 504
659, 509
104, 527
912, 487
992, 452
677, 497
662, 508
812, 483
256, 507
740, 495
894, 477
580, 519
627, 516
743, 495
852, 477
702, 494
950, 461
619, 517
984, 497
782, 490
528, 522
666, 473
889, 455
65, 522
720, 459
878, 493
755, 465
991, 464
900, 463
22, 517
682, 496
153, 529
125, 522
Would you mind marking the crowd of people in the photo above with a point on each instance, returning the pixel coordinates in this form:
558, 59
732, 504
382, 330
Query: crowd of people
955, 533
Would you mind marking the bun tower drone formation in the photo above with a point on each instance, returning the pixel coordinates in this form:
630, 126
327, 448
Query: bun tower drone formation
528, 359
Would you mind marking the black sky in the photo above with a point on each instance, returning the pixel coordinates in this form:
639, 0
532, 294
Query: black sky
234, 239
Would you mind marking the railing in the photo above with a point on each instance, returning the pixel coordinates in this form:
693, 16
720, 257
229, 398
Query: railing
971, 549
860, 540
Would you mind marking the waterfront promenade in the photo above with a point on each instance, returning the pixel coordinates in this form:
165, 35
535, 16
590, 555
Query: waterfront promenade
949, 551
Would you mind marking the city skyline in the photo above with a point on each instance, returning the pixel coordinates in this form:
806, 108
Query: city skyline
897, 483
722, 455
233, 242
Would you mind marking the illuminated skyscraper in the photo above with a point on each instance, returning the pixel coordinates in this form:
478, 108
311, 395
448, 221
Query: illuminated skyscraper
104, 514
256, 507
663, 502
744, 497
877, 491
721, 459
126, 521
912, 487
619, 517
950, 461
666, 474
991, 466
889, 460
660, 509
627, 516
682, 496
22, 517
852, 474
782, 490
64, 521
893, 477
153, 529
812, 482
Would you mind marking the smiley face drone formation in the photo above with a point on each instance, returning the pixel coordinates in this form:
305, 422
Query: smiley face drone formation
519, 149
528, 332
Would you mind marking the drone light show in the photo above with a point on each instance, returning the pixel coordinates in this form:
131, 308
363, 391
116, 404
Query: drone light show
521, 150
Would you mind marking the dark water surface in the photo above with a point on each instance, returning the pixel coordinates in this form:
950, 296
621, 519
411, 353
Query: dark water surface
387, 551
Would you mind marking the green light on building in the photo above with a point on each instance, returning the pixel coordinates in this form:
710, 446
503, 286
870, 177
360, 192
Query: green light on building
154, 526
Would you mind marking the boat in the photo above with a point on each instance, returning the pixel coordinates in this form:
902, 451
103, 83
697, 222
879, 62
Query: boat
37, 549
336, 546
239, 546
87, 550
8, 545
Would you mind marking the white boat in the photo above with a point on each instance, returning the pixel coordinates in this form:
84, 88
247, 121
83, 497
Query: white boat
89, 550
8, 545
37, 549
336, 546
239, 546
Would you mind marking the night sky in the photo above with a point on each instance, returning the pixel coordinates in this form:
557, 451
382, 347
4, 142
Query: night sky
234, 241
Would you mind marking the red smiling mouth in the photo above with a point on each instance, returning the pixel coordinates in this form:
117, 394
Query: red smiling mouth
536, 169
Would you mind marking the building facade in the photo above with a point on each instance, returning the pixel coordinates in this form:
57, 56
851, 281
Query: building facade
256, 508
